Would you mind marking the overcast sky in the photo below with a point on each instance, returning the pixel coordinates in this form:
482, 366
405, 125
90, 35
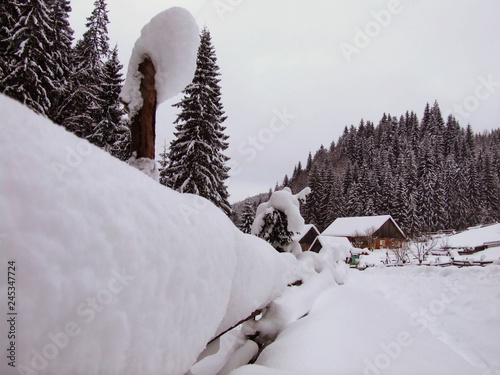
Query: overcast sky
296, 72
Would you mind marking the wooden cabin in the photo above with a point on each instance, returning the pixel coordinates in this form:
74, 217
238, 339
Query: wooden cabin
307, 236
373, 232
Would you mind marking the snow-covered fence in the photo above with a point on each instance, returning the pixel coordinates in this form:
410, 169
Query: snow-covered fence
188, 282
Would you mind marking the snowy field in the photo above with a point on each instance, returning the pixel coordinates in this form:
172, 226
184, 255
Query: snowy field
398, 320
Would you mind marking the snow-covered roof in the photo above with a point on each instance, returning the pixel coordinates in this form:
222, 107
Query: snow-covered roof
473, 236
329, 241
306, 228
356, 226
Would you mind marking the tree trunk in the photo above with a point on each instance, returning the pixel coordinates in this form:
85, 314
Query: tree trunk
143, 123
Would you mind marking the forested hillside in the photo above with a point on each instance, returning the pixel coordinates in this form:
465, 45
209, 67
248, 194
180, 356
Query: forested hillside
429, 174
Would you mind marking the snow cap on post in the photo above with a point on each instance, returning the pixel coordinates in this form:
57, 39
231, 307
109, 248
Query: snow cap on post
171, 41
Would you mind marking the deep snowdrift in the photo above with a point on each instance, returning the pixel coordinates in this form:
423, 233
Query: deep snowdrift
396, 320
115, 273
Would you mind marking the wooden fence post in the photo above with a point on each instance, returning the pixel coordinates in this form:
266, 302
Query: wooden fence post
142, 126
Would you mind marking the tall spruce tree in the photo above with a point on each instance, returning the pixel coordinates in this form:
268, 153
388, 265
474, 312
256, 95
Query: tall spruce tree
197, 164
9, 14
106, 130
62, 39
83, 106
28, 67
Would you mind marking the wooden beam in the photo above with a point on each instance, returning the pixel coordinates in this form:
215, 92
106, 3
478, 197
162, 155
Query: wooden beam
142, 126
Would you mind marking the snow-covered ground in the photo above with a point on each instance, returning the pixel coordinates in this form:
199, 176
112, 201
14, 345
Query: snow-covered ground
398, 320
473, 236
470, 238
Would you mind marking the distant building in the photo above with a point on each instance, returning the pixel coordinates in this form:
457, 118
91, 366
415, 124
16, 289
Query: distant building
322, 242
374, 232
307, 236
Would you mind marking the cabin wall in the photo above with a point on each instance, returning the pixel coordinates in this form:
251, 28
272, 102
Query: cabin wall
388, 230
376, 242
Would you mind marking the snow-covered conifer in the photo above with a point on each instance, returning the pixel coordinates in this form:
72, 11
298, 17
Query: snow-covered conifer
82, 107
279, 219
106, 132
247, 217
197, 164
28, 68
163, 162
62, 39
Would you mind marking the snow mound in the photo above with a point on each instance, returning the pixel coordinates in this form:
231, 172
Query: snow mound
398, 320
145, 165
115, 273
286, 202
171, 41
473, 237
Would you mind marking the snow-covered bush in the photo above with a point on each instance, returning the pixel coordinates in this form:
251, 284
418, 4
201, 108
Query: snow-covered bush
278, 219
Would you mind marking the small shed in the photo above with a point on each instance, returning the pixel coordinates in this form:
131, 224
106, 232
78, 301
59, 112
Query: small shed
307, 236
329, 241
374, 232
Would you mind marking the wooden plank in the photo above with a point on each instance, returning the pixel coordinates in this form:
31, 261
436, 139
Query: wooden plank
142, 126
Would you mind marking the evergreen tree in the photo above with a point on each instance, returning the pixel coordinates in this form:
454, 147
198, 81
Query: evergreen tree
9, 14
62, 39
428, 175
197, 163
490, 192
247, 217
425, 197
313, 206
106, 131
28, 68
275, 230
286, 181
163, 165
82, 108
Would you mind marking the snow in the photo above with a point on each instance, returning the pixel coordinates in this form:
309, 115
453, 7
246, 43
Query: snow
353, 226
218, 353
473, 237
115, 273
334, 242
398, 320
145, 165
305, 229
171, 40
286, 202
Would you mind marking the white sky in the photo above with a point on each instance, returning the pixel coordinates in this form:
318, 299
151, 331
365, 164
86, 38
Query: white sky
285, 56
